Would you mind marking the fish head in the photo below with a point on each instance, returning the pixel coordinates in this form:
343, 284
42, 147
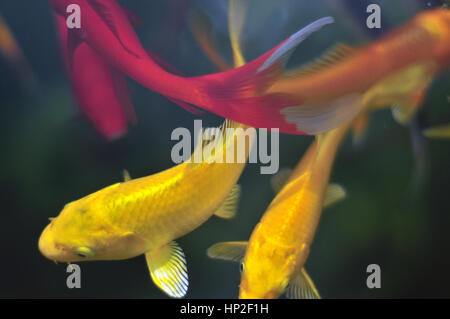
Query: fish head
266, 270
80, 233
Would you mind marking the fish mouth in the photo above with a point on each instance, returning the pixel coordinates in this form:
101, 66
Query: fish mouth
49, 248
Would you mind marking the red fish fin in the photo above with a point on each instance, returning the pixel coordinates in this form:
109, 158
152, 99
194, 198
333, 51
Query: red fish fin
163, 63
132, 17
106, 15
186, 106
123, 94
73, 42
258, 75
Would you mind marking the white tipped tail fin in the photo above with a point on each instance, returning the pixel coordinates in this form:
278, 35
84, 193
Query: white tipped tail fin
283, 52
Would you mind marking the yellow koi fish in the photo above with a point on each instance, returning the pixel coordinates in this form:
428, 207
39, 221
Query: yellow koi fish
279, 245
272, 261
146, 215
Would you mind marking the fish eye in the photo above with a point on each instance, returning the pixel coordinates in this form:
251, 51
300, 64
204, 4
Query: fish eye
84, 252
241, 267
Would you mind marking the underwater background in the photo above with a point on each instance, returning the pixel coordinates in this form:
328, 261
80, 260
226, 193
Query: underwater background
397, 213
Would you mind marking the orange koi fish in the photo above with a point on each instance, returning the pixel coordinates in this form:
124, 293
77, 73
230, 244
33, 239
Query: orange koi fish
394, 71
272, 261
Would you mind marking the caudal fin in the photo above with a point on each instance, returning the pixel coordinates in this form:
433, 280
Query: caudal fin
258, 75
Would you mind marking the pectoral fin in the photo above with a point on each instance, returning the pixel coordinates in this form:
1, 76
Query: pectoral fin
335, 193
229, 207
302, 287
230, 251
167, 266
404, 111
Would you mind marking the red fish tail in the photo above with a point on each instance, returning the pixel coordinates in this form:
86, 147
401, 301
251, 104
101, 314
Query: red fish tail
255, 77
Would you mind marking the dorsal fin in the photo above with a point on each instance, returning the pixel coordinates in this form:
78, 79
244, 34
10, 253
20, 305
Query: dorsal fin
213, 139
126, 175
338, 53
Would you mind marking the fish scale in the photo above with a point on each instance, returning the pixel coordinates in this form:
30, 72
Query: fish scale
296, 211
159, 207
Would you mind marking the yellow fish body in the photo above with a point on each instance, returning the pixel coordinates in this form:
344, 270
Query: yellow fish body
274, 257
145, 215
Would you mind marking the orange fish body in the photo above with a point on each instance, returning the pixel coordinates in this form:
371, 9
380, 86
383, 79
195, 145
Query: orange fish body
424, 38
273, 259
395, 70
284, 235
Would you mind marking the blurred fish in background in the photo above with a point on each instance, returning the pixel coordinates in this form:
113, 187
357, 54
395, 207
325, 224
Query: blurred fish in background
101, 91
356, 21
11, 52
